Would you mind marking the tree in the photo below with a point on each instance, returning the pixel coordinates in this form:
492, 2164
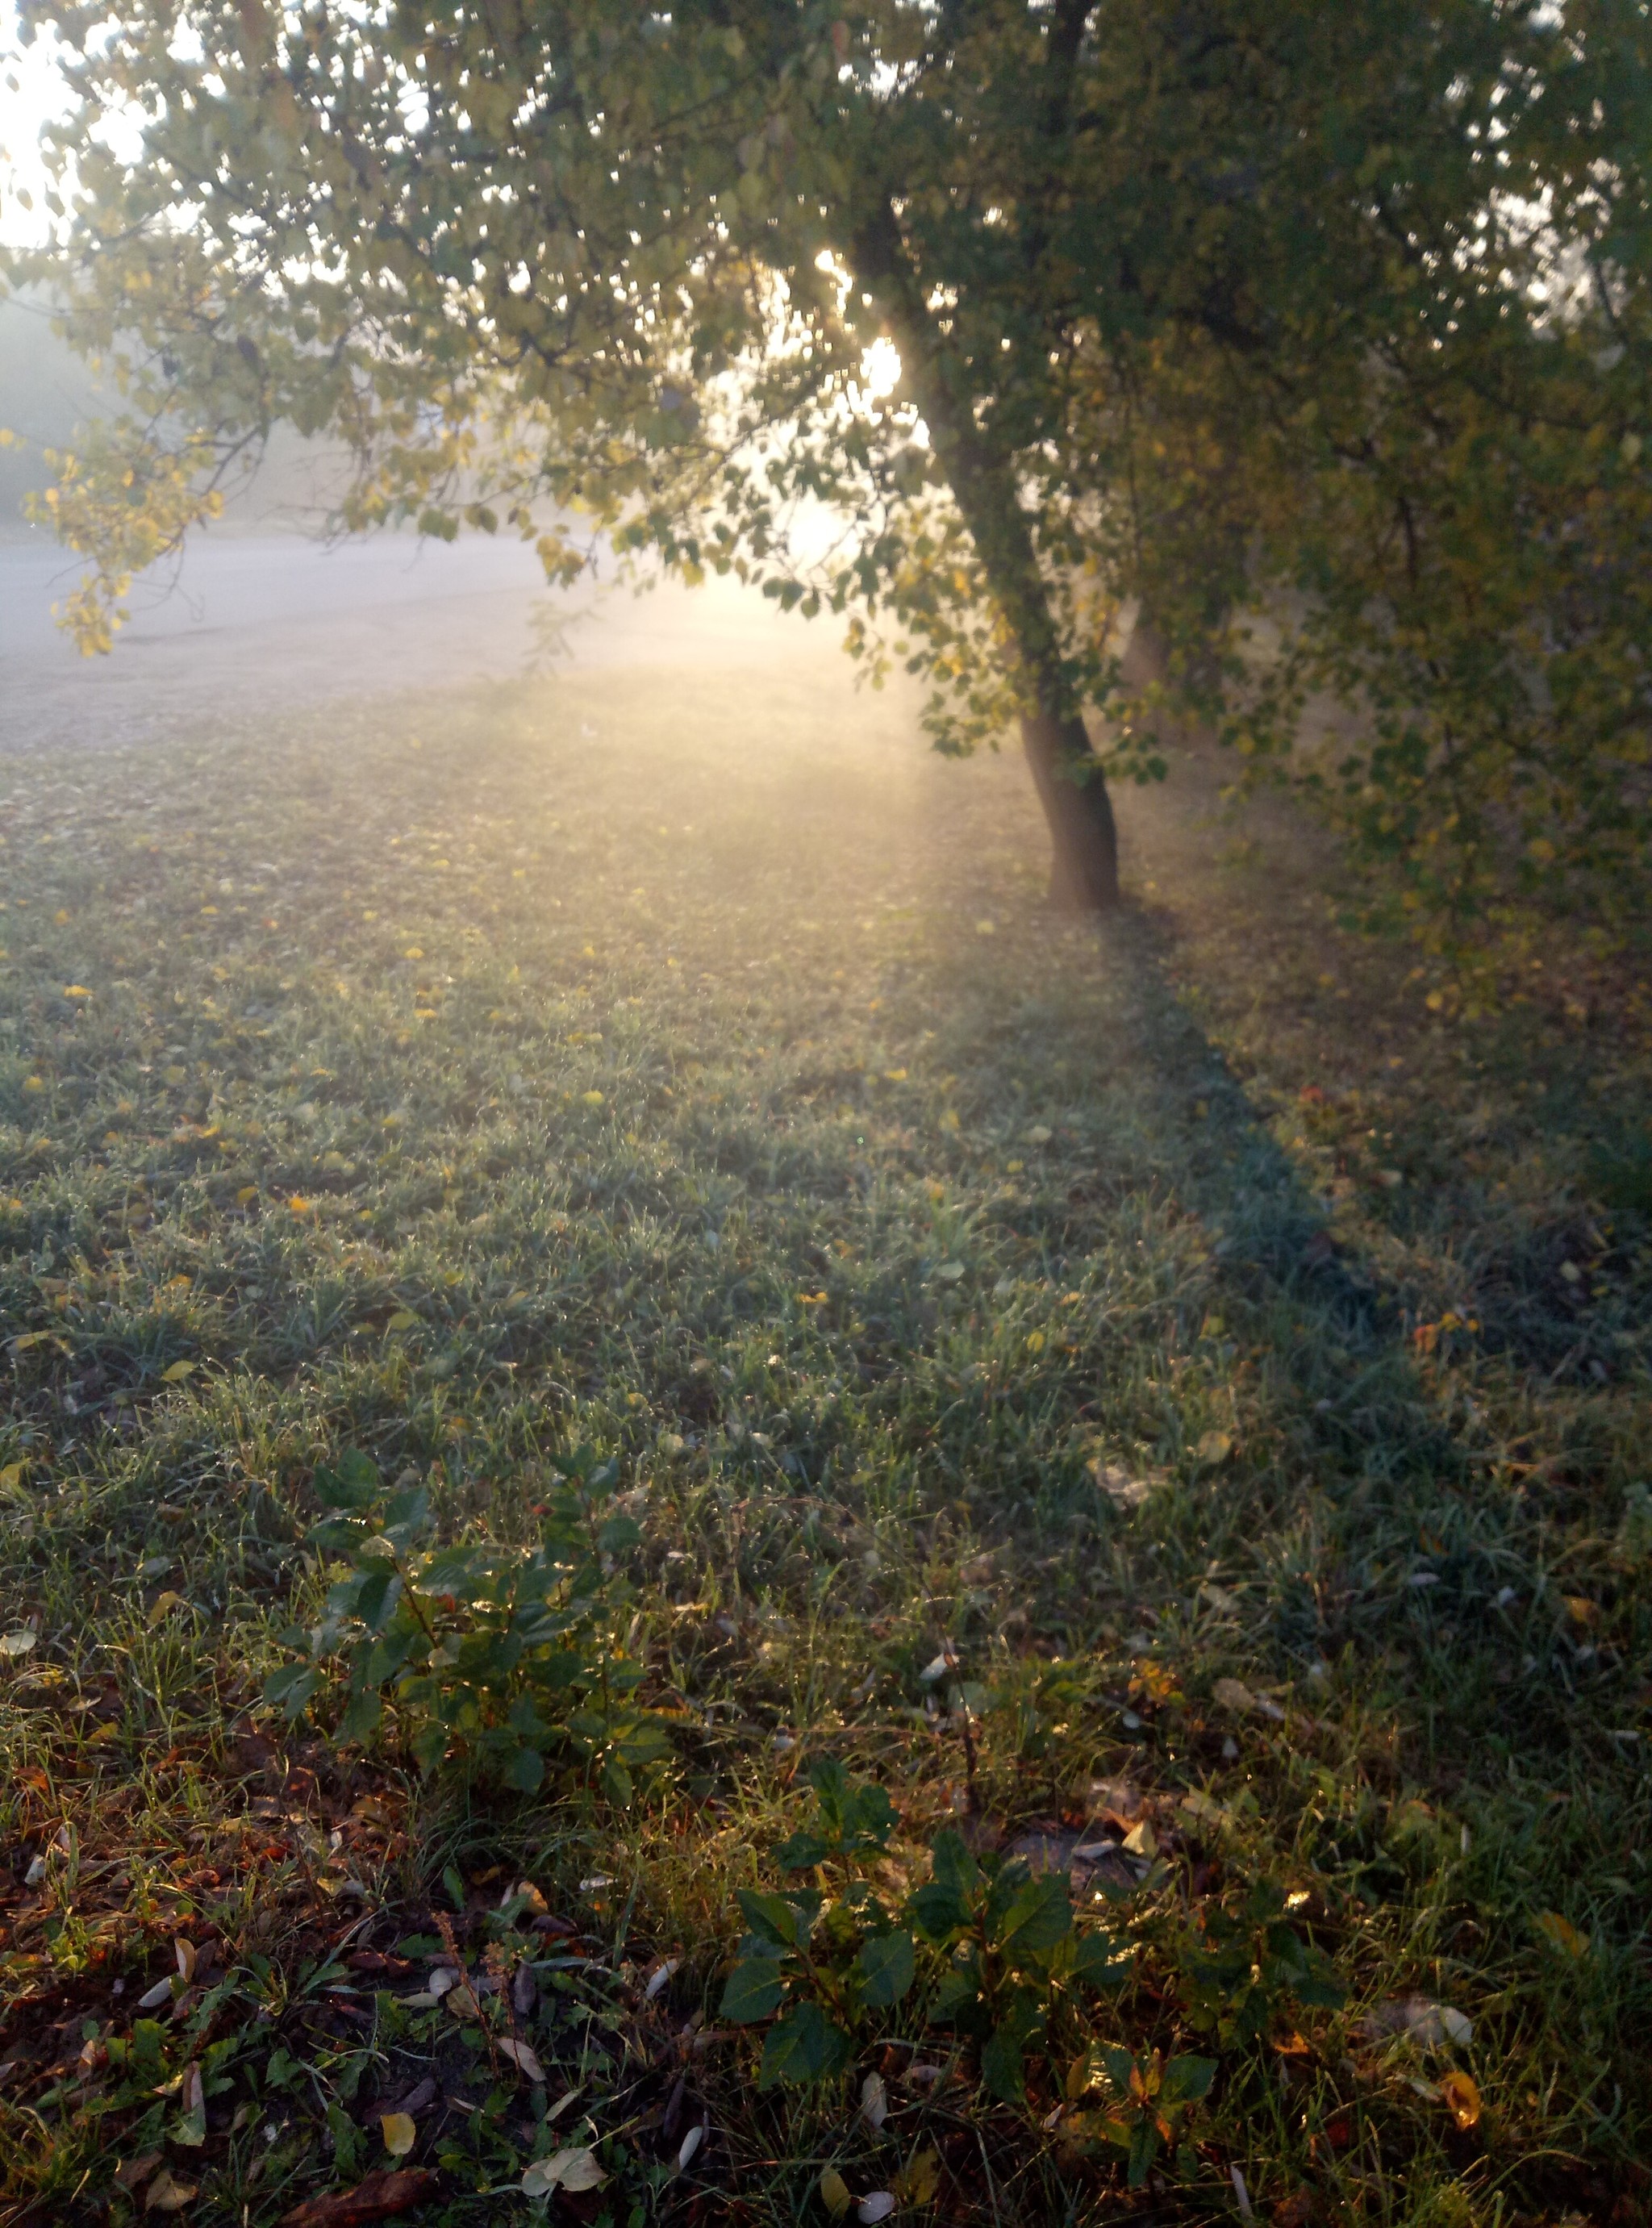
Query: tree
623, 264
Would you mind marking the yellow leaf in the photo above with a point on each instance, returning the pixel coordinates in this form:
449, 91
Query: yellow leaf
835, 2192
246, 1194
400, 2133
403, 1319
1564, 1935
918, 2180
176, 1371
1214, 1447
1580, 1609
76, 990
1462, 2099
593, 1098
166, 2195
12, 1475
299, 1206
162, 1608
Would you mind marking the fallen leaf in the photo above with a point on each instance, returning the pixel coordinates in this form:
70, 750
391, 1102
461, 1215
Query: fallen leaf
20, 1642
184, 1950
1039, 1134
575, 2168
660, 1979
1214, 1447
162, 1607
1141, 1842
176, 1371
522, 2058
1420, 2020
157, 1994
1120, 1488
689, 2146
920, 2179
1233, 1694
835, 2193
381, 2197
191, 2129
878, 2206
1563, 1934
400, 2133
1462, 2099
131, 2171
403, 1319
166, 2195
874, 2101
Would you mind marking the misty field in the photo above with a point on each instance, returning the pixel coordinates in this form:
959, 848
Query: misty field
1167, 1402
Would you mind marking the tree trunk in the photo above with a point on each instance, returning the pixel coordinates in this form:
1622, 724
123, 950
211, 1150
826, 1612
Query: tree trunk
1065, 771
1083, 869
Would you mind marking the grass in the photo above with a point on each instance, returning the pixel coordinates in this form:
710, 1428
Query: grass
691, 1073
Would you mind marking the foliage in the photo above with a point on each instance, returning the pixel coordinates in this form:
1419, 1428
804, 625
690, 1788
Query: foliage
500, 1657
1329, 315
1151, 2099
1239, 1968
1007, 1946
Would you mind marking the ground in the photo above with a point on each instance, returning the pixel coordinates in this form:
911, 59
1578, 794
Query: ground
1179, 1385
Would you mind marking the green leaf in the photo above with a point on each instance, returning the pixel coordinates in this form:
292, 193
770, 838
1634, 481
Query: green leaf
1143, 2147
352, 1481
1036, 1916
951, 1866
755, 1987
885, 1969
1119, 2065
1001, 2066
524, 1770
290, 1688
803, 2047
1100, 1963
407, 1513
617, 1782
429, 1746
360, 1720
785, 1920
803, 1850
1185, 2080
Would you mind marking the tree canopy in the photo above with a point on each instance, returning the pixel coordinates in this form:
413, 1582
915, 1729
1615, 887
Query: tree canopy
1318, 334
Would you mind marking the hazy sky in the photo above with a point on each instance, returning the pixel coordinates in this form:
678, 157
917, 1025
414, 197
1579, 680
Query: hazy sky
28, 93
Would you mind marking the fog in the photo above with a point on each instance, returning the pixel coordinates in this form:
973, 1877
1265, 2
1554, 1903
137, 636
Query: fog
255, 622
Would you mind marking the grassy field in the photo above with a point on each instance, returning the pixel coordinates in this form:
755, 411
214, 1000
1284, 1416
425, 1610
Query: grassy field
1175, 1391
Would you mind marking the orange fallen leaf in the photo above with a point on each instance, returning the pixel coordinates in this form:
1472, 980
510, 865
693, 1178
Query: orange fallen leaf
1564, 1935
1461, 2098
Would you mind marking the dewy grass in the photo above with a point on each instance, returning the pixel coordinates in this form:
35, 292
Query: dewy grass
1165, 1386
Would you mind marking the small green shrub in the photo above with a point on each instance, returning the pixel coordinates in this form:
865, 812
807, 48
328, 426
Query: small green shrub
505, 1660
1239, 1968
996, 1946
